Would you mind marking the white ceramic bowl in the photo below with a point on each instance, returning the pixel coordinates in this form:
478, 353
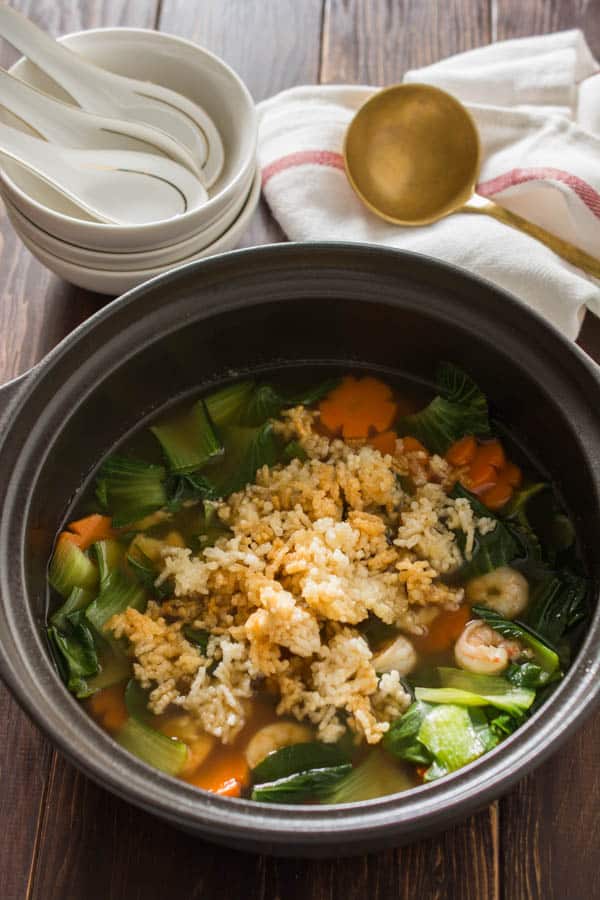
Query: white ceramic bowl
116, 282
180, 65
124, 262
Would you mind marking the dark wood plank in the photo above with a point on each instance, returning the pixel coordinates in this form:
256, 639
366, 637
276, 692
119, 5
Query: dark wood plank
102, 847
89, 843
549, 824
272, 46
24, 763
376, 42
36, 311
513, 18
37, 308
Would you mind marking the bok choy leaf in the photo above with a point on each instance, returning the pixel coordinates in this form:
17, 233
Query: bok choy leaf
246, 451
156, 749
79, 598
527, 675
302, 785
225, 405
117, 591
447, 732
130, 489
140, 738
71, 568
467, 689
267, 401
376, 776
75, 652
181, 488
188, 440
460, 408
544, 655
558, 603
196, 636
402, 738
491, 550
298, 758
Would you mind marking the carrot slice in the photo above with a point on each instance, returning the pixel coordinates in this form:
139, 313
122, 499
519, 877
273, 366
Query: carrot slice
385, 442
496, 497
411, 445
491, 454
69, 536
225, 772
462, 451
108, 707
511, 474
91, 529
481, 476
358, 406
444, 631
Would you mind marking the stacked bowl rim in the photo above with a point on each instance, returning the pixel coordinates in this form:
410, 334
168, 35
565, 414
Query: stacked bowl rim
123, 261
232, 95
113, 281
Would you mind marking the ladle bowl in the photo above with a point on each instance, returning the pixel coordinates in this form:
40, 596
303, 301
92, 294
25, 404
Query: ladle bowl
412, 154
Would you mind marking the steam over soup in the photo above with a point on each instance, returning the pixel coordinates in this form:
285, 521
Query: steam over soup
321, 594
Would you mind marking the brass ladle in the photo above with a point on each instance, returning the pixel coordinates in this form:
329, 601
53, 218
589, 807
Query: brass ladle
412, 154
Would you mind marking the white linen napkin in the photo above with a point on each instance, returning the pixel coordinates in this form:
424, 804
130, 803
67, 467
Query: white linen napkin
537, 106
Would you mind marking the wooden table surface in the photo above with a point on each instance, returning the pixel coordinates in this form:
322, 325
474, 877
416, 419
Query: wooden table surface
65, 838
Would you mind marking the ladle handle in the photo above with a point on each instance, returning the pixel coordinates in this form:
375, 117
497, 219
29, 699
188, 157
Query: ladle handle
565, 249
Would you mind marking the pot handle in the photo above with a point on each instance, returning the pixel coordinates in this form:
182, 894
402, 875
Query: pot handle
10, 390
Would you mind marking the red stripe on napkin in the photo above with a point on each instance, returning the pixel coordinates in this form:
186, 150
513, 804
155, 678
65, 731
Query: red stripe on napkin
302, 158
584, 191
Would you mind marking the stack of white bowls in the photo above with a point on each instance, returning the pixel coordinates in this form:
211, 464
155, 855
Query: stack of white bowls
113, 258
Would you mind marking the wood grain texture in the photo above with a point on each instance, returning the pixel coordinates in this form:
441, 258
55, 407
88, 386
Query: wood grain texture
101, 847
36, 311
541, 841
24, 762
271, 45
376, 42
518, 18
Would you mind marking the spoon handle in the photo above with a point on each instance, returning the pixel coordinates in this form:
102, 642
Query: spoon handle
108, 94
88, 88
565, 249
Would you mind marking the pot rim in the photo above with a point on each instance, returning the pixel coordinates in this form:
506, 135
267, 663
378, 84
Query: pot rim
227, 818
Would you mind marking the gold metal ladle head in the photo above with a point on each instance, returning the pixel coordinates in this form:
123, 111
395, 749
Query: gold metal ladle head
412, 154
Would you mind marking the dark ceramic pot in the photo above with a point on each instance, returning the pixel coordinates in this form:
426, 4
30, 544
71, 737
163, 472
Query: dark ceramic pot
321, 303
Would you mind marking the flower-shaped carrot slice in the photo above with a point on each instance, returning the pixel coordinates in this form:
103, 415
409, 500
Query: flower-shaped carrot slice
497, 496
462, 452
358, 406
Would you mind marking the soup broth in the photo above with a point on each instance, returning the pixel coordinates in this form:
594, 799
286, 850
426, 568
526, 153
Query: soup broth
316, 590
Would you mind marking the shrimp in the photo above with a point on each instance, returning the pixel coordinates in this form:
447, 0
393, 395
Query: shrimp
199, 743
273, 737
483, 651
504, 590
399, 656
